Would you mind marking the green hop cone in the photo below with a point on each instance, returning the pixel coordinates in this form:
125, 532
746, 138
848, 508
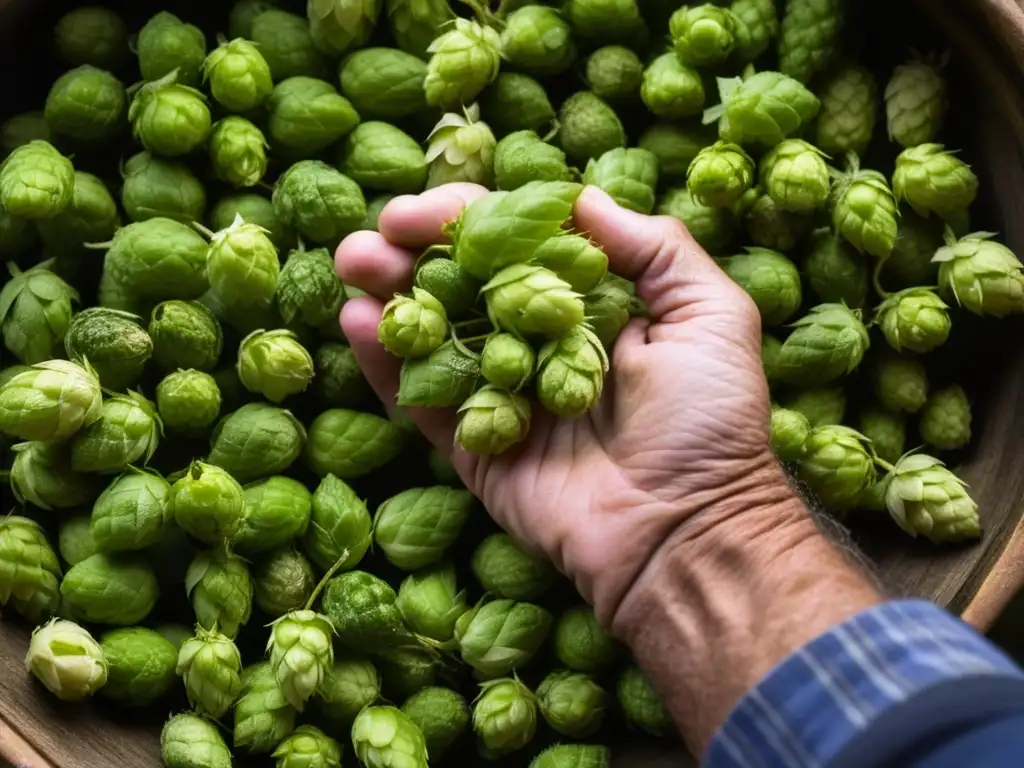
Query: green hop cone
573, 258
154, 187
768, 226
504, 569
220, 588
165, 45
132, 512
461, 148
572, 703
790, 430
946, 419
140, 665
607, 21
589, 127
537, 39
338, 380
985, 277
615, 73
67, 660
207, 503
837, 465
442, 716
672, 90
406, 670
502, 635
385, 737
36, 181
915, 319
712, 228
274, 364
86, 104
835, 271
188, 402
238, 76
35, 312
243, 268
641, 704
865, 211
763, 109
573, 756
828, 342
255, 441
703, 35
931, 179
276, 512
529, 300
307, 115
350, 444
415, 527
128, 431
308, 747
795, 175
464, 60
238, 152
887, 432
770, 348
491, 421
772, 281
338, 27
507, 362
757, 24
444, 378
286, 42
430, 603
720, 174
675, 147
570, 373
581, 643
808, 37
301, 653
186, 736
29, 570
42, 476
210, 665
450, 284
321, 203
629, 176
504, 717
364, 612
900, 383
380, 156
92, 35
413, 326
522, 157
111, 589
263, 716
915, 102
308, 288
926, 499
113, 343
282, 582
849, 111
384, 83
349, 687
517, 102
74, 539
168, 118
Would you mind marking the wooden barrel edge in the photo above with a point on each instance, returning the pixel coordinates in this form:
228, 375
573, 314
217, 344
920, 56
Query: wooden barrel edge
1000, 585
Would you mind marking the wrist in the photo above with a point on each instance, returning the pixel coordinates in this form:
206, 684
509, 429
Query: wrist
733, 591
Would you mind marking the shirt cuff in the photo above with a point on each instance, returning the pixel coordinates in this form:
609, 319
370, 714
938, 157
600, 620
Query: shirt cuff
845, 699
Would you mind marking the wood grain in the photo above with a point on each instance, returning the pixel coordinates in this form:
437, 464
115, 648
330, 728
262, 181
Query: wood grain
37, 731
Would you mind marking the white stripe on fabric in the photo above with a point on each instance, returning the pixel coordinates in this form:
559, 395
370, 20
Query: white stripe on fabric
779, 731
843, 700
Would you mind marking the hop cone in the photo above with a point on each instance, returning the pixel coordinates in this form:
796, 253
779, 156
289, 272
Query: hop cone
573, 756
574, 258
507, 362
932, 179
915, 319
128, 432
836, 465
29, 569
886, 430
849, 111
415, 23
413, 326
526, 300
757, 23
790, 430
338, 26
808, 36
67, 660
925, 498
220, 588
274, 364
915, 100
865, 211
771, 279
984, 277
35, 312
795, 176
768, 226
385, 737
461, 148
828, 342
835, 271
308, 747
900, 383
820, 405
537, 39
492, 421
763, 109
946, 419
308, 288
703, 35
51, 401
720, 174
301, 652
464, 61
243, 267
910, 263
571, 373
504, 717
263, 717
210, 664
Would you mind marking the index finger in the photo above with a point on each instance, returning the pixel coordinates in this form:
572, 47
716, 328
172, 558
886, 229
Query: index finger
417, 221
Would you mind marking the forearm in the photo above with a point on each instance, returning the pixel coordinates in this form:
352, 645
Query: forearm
717, 609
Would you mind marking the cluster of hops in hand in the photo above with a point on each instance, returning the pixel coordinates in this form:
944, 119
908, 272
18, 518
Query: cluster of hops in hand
188, 403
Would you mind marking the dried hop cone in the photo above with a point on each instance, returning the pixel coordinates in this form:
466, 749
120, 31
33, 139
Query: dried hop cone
720, 174
915, 319
926, 499
413, 326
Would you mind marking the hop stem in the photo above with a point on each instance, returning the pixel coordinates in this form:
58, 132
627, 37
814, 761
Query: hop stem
327, 577
876, 279
203, 230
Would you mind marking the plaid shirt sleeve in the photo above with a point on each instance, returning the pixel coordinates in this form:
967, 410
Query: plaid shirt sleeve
868, 690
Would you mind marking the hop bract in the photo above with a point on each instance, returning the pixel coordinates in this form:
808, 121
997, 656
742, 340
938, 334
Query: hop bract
464, 60
67, 660
985, 277
413, 326
836, 465
703, 35
570, 373
492, 421
926, 499
915, 319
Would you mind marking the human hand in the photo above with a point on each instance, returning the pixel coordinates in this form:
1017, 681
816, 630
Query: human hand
682, 425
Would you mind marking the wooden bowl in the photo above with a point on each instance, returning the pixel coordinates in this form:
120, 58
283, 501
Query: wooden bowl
977, 580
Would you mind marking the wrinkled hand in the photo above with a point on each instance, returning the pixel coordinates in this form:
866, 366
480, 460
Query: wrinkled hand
682, 423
